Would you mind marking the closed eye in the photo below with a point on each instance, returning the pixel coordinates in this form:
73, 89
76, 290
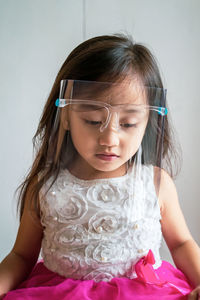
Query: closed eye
128, 125
93, 122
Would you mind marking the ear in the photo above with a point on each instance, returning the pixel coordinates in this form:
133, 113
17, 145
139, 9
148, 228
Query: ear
64, 118
65, 124
65, 110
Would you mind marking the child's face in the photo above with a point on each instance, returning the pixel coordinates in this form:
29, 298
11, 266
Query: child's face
109, 150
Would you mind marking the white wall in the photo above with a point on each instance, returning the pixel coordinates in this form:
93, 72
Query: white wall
36, 36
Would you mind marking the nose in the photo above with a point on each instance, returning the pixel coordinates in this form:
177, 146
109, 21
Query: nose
110, 135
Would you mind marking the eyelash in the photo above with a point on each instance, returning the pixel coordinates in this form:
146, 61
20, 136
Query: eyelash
126, 125
95, 123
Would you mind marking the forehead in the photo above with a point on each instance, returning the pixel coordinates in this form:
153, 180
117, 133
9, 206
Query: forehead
125, 92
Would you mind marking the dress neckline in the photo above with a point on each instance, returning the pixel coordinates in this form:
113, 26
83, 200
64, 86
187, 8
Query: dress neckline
99, 180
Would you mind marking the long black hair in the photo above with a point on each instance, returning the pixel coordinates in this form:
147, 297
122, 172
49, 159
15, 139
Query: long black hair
103, 58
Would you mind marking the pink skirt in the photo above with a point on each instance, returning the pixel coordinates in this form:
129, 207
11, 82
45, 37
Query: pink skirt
163, 283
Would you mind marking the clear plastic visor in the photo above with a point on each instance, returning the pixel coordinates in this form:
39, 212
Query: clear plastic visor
123, 112
100, 104
114, 127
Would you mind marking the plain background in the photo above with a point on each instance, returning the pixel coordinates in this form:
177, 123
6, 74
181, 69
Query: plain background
36, 37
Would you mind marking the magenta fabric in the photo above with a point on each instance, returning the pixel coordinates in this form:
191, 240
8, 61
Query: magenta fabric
164, 283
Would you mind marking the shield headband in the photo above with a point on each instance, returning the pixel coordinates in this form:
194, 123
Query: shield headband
128, 109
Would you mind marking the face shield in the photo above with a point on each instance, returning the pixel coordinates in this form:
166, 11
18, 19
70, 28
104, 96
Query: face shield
100, 114
125, 116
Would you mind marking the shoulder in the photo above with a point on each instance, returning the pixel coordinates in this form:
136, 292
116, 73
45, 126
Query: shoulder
163, 178
165, 189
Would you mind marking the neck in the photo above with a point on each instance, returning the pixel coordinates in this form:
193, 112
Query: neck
82, 170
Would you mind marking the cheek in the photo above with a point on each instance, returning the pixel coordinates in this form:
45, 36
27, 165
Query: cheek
80, 137
132, 142
142, 129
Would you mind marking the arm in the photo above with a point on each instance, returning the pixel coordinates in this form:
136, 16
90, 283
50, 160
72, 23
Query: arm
22, 258
184, 250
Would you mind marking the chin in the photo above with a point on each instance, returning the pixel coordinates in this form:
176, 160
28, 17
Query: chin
108, 168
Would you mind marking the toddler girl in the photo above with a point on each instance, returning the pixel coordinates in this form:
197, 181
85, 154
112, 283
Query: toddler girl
99, 195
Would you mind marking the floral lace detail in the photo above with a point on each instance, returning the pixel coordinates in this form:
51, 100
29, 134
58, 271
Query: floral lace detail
113, 252
107, 223
65, 205
99, 229
107, 195
71, 236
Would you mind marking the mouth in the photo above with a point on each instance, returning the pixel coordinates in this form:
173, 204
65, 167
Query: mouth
107, 156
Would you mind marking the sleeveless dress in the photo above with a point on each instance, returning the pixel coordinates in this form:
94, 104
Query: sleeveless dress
101, 241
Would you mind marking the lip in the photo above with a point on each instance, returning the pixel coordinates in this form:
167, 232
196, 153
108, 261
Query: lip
107, 156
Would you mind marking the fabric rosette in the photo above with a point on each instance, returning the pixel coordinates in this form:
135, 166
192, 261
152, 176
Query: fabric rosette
145, 234
64, 265
107, 222
98, 275
64, 206
72, 236
108, 252
107, 196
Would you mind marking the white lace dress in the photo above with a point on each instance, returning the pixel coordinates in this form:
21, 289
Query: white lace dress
96, 238
98, 229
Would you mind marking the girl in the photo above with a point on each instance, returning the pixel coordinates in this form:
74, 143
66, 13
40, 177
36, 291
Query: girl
98, 197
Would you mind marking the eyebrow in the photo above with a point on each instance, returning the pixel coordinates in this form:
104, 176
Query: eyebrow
132, 110
90, 106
